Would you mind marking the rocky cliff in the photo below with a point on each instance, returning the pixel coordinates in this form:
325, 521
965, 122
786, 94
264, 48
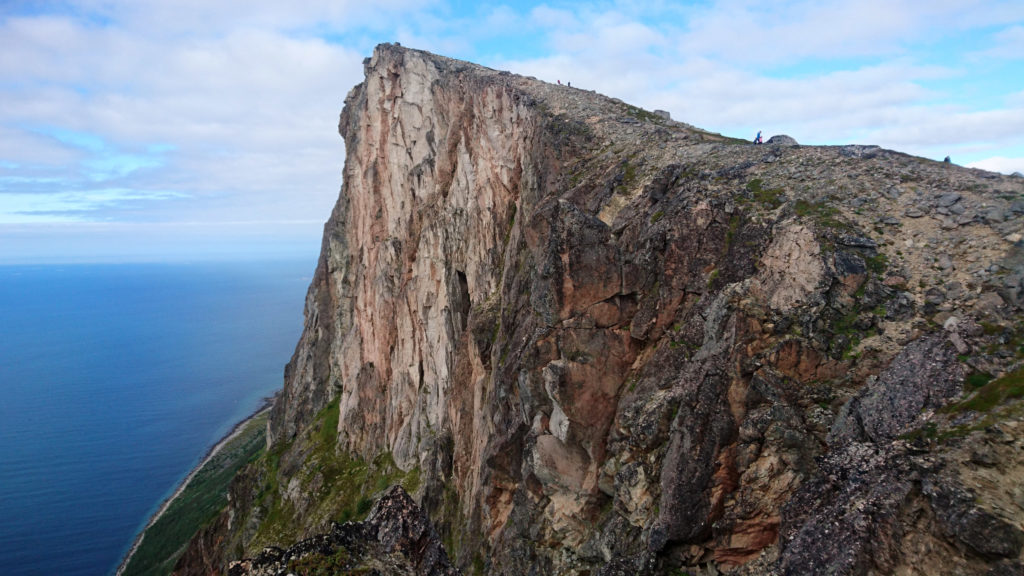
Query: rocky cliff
591, 340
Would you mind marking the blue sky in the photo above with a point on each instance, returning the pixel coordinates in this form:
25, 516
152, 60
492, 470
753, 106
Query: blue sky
138, 130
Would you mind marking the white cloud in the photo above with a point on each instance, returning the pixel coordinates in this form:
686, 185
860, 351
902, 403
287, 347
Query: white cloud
1007, 43
501, 19
69, 206
770, 33
244, 95
1000, 164
251, 115
778, 33
26, 149
184, 19
716, 71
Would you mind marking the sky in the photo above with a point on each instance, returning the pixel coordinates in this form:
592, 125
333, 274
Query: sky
153, 130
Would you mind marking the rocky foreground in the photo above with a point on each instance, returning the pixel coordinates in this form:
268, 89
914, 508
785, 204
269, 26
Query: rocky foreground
590, 340
396, 539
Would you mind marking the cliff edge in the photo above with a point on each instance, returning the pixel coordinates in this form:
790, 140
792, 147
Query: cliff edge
590, 340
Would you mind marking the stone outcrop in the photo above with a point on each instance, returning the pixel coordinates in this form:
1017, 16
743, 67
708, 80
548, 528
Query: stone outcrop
604, 342
925, 375
397, 539
782, 140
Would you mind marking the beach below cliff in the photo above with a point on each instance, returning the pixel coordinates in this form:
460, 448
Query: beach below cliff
197, 499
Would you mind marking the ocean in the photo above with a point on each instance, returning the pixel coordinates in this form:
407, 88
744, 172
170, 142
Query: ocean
114, 382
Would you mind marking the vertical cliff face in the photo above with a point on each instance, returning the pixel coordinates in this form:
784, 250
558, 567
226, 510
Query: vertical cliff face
593, 340
440, 156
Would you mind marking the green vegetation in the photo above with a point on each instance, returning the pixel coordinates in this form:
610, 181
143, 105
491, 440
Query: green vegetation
991, 329
712, 277
769, 196
341, 486
1010, 339
989, 400
575, 177
363, 507
976, 380
673, 412
198, 504
644, 115
328, 430
566, 129
848, 328
821, 213
716, 137
451, 515
629, 174
479, 565
628, 177
734, 226
929, 430
878, 263
317, 565
845, 328
511, 224
505, 352
988, 396
657, 216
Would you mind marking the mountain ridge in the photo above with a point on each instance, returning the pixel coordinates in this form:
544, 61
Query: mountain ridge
589, 339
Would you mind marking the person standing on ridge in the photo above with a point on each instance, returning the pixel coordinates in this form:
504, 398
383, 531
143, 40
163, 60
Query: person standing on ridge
757, 140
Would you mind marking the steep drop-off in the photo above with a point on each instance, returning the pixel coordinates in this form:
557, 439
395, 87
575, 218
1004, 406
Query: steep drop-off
591, 340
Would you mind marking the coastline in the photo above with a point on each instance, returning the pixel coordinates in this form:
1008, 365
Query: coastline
235, 431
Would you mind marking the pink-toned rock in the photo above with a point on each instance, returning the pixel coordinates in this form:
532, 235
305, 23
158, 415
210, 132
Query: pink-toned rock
604, 342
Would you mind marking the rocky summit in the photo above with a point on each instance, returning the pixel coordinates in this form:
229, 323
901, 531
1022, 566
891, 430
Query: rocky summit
588, 339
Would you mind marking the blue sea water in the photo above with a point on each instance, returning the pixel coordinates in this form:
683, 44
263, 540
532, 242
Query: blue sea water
114, 381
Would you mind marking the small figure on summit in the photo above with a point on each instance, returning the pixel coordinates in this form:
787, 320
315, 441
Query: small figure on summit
757, 139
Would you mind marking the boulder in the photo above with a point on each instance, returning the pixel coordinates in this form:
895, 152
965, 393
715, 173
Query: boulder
782, 140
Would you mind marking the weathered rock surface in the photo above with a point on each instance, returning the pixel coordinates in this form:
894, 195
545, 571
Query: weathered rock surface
397, 539
605, 342
923, 376
782, 140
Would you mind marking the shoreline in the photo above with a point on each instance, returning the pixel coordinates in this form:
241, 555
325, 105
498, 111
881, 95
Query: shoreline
264, 407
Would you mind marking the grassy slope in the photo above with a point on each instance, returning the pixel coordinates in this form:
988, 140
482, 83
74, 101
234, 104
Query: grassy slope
340, 486
204, 497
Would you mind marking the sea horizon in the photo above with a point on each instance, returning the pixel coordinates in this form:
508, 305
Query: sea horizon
118, 379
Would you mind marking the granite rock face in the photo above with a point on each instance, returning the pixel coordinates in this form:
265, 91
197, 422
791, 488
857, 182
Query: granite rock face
605, 342
925, 375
